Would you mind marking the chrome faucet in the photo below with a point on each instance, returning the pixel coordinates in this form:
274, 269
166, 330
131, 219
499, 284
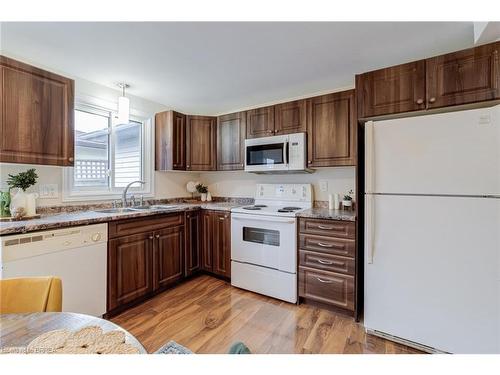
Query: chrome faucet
124, 195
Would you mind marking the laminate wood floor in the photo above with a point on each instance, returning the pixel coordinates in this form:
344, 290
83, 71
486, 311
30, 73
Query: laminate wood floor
207, 315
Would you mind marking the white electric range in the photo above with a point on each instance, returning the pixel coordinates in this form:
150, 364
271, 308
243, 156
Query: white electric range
264, 240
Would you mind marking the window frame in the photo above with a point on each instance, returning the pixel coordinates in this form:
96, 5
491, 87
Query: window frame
72, 193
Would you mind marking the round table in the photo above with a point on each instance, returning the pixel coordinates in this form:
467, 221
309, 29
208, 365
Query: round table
18, 330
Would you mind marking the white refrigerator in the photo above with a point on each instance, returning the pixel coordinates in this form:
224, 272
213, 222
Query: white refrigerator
432, 230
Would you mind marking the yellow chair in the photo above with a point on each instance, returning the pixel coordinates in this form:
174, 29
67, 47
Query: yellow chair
33, 294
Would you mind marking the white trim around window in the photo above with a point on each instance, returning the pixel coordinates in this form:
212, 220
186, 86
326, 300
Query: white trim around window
72, 194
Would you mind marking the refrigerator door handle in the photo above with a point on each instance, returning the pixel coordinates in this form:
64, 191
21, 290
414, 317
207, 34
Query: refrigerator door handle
369, 227
369, 158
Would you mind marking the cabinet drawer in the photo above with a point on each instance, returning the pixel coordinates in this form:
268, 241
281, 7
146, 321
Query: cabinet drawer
146, 224
327, 287
329, 228
326, 262
334, 246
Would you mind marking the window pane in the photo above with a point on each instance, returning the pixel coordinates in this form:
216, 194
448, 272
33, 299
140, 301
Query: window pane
91, 150
128, 153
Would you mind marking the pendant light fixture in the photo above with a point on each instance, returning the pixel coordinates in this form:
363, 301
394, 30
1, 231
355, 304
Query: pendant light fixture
123, 105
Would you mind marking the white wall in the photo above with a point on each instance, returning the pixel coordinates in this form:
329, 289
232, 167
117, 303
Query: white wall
241, 184
167, 184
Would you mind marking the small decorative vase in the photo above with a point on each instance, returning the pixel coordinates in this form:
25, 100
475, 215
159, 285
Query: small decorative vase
347, 203
209, 197
17, 201
31, 204
203, 197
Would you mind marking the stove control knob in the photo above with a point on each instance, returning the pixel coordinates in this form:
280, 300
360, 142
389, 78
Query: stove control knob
96, 236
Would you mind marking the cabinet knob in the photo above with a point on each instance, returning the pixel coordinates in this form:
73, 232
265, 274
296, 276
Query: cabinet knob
276, 131
420, 101
150, 237
309, 162
432, 100
70, 159
271, 131
157, 236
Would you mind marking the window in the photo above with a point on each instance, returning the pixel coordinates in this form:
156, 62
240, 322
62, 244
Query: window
108, 155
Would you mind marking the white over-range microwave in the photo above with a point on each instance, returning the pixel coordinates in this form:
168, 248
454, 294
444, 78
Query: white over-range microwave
277, 154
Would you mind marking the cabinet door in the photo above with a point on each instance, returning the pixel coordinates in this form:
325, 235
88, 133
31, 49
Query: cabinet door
290, 117
327, 287
331, 134
170, 140
168, 256
467, 76
222, 244
231, 131
129, 268
391, 90
37, 121
206, 242
260, 122
201, 150
192, 258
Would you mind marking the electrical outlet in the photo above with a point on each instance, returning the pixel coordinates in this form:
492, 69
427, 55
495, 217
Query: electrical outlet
323, 185
49, 191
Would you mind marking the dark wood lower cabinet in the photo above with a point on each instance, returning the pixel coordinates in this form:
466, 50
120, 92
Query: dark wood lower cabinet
145, 255
221, 244
328, 263
192, 250
168, 254
130, 262
216, 243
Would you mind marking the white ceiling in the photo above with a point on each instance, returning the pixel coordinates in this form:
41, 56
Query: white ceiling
213, 68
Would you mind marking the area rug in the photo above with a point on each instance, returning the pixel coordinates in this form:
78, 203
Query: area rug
172, 347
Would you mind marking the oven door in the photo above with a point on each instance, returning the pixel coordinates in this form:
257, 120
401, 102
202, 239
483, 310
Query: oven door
264, 241
266, 154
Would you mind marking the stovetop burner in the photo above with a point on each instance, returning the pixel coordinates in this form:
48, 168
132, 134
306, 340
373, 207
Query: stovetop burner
291, 208
251, 208
259, 205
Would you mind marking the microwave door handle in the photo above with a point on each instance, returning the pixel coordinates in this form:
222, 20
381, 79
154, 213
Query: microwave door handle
285, 152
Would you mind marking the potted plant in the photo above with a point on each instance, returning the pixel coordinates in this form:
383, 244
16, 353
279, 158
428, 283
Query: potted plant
203, 190
22, 203
347, 201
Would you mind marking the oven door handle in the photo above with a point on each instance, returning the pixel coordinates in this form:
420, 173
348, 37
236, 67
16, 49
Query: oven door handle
263, 218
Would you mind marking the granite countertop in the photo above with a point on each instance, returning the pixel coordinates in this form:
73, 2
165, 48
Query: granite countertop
325, 213
69, 219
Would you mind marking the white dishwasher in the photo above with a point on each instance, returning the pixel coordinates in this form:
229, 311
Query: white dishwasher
77, 255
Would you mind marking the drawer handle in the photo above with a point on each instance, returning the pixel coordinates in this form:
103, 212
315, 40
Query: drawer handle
324, 244
324, 281
324, 261
323, 227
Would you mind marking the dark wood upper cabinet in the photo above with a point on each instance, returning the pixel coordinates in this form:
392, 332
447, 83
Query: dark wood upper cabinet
260, 122
231, 131
290, 117
192, 256
331, 130
129, 268
201, 143
467, 76
167, 256
391, 90
170, 141
37, 121
222, 243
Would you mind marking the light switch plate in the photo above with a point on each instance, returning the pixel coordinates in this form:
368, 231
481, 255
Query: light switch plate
323, 185
49, 191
